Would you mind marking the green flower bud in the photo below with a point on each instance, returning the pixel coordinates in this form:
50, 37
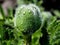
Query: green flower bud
27, 18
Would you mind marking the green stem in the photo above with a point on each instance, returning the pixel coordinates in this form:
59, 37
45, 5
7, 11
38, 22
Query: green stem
28, 40
44, 40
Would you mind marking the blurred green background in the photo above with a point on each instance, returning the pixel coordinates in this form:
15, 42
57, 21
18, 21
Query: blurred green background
48, 35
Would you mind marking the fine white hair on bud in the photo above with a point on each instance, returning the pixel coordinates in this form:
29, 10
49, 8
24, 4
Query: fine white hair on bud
27, 17
36, 8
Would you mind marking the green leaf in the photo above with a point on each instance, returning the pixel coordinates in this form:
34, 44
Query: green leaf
2, 12
54, 31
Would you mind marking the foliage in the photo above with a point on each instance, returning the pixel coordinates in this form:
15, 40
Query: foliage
10, 35
54, 31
